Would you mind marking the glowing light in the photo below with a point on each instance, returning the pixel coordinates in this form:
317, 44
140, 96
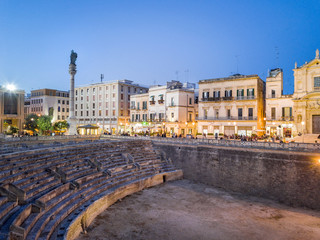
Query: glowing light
234, 123
319, 161
302, 123
11, 87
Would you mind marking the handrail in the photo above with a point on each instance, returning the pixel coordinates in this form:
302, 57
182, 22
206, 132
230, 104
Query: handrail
292, 146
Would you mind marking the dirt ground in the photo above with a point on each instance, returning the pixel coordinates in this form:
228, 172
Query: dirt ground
186, 210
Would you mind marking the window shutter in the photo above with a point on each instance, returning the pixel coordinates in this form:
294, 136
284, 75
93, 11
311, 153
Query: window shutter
226, 93
290, 111
283, 112
252, 91
230, 93
248, 92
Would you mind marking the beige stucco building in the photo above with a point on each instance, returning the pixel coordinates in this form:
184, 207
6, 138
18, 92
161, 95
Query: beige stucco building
106, 104
51, 102
306, 97
231, 105
11, 109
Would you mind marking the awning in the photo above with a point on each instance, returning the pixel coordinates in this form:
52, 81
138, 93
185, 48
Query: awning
89, 126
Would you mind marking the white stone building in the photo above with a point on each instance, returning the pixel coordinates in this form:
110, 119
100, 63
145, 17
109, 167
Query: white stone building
279, 107
171, 109
106, 104
50, 102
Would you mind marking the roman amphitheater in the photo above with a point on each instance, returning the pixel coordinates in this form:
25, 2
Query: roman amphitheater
78, 188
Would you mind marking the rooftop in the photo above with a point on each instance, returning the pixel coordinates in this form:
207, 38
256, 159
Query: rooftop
232, 77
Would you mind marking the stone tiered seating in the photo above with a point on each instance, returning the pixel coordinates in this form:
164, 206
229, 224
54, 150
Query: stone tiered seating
43, 191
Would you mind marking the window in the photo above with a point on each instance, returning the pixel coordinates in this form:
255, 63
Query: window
273, 113
81, 113
250, 93
250, 113
229, 114
216, 94
144, 105
113, 112
240, 93
190, 100
107, 112
87, 113
172, 101
93, 105
205, 113
273, 93
228, 93
93, 113
94, 90
121, 88
286, 113
240, 113
81, 106
114, 87
138, 106
58, 101
63, 102
217, 114
121, 96
68, 102
129, 89
132, 118
62, 109
190, 117
58, 108
316, 82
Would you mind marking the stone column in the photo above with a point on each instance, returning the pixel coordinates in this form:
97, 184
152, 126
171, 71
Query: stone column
72, 119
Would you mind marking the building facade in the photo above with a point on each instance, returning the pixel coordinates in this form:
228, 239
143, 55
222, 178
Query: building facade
169, 109
306, 97
106, 105
51, 102
231, 106
279, 107
11, 109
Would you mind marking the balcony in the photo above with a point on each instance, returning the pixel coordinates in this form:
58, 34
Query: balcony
161, 101
245, 97
227, 98
132, 107
227, 118
285, 119
211, 99
152, 102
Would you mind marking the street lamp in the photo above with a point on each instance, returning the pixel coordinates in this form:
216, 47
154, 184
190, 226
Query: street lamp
302, 123
234, 123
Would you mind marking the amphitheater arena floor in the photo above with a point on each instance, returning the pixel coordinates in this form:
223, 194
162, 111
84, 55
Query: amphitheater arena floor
187, 210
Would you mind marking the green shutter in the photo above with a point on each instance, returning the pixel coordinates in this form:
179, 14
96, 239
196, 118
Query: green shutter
248, 92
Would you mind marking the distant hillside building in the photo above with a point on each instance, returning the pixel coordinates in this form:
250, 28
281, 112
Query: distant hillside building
11, 109
106, 104
50, 102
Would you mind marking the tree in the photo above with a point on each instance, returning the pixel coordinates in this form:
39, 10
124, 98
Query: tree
31, 122
61, 125
44, 124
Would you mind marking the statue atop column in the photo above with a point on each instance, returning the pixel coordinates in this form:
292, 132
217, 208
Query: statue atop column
72, 70
73, 57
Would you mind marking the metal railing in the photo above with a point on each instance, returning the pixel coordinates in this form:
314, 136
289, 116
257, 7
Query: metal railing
227, 118
292, 146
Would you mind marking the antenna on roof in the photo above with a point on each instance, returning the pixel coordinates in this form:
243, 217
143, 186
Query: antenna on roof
101, 76
186, 75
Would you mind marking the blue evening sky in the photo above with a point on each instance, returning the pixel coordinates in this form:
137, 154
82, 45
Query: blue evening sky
151, 42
